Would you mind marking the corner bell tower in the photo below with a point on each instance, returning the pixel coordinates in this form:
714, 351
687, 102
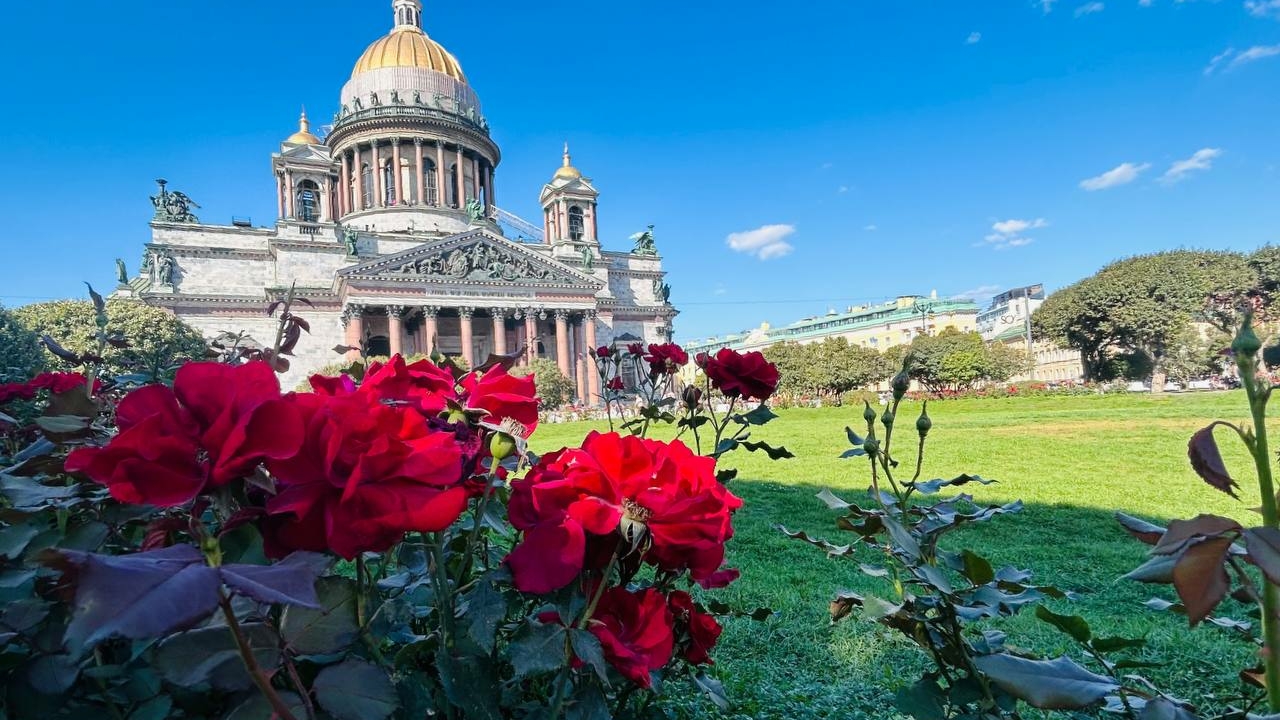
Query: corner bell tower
569, 211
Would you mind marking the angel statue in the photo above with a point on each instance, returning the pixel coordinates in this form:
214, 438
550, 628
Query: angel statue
350, 236
588, 258
644, 243
173, 206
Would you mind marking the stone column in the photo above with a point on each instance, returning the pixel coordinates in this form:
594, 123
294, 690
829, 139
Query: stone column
582, 360
344, 187
442, 191
462, 179
396, 176
430, 328
395, 329
593, 377
493, 196
562, 343
530, 335
420, 178
380, 190
327, 199
468, 338
280, 195
475, 178
357, 202
288, 198
499, 331
354, 325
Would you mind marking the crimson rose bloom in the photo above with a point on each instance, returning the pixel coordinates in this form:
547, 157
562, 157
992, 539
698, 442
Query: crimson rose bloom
635, 630
745, 375
699, 629
215, 425
636, 349
54, 382
503, 395
604, 351
666, 359
660, 495
615, 383
366, 474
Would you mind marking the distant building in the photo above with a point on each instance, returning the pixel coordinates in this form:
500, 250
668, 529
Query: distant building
1008, 321
1011, 309
877, 326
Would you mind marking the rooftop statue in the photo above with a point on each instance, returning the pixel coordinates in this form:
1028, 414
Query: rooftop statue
122, 275
661, 292
475, 210
349, 237
644, 243
173, 206
588, 258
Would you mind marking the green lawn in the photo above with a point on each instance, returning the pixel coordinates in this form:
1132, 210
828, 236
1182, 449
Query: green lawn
1072, 460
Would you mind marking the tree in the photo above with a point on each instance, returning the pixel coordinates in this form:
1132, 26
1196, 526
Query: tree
1195, 353
954, 360
554, 389
20, 353
837, 367
1141, 304
157, 340
795, 369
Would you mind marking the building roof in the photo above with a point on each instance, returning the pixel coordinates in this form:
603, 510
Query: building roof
409, 46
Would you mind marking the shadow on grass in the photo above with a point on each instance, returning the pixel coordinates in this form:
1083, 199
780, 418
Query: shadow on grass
799, 665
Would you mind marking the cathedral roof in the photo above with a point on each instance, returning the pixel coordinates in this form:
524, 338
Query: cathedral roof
304, 135
568, 171
409, 46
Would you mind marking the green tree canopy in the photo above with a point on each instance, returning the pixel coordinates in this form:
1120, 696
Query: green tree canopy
157, 339
1142, 304
554, 389
831, 367
20, 352
954, 360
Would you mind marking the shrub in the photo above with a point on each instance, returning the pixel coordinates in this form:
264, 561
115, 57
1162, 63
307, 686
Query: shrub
157, 340
20, 353
554, 389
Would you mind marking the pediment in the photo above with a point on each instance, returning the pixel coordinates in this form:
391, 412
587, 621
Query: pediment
471, 258
306, 152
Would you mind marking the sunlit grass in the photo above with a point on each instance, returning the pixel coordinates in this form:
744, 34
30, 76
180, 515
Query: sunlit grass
1073, 461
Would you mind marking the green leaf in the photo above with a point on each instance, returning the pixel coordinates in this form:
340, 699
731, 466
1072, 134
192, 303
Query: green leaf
1072, 625
538, 648
713, 688
486, 607
15, 538
1112, 644
774, 453
325, 631
1162, 708
586, 647
831, 501
356, 690
29, 494
62, 424
873, 608
53, 674
903, 540
759, 416
724, 476
976, 568
257, 707
157, 708
921, 700
209, 655
1058, 684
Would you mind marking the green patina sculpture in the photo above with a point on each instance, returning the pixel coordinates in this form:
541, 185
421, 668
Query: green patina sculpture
588, 258
173, 206
349, 237
644, 243
661, 291
122, 275
475, 209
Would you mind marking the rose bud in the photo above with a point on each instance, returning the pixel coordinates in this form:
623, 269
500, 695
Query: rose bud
868, 414
887, 418
901, 383
692, 396
603, 351
923, 423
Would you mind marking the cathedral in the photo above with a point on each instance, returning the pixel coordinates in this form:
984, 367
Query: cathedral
388, 226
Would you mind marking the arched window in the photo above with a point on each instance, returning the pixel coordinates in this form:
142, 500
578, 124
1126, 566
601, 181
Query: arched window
452, 190
389, 184
366, 186
433, 193
308, 201
575, 223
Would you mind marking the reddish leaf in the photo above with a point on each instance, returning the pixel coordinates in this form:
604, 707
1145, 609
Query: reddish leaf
1201, 578
300, 322
158, 531
1263, 544
292, 334
99, 305
1180, 532
1148, 533
1206, 460
271, 309
304, 301
344, 349
58, 350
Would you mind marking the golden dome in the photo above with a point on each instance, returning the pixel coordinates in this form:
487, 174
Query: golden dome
409, 46
303, 136
568, 171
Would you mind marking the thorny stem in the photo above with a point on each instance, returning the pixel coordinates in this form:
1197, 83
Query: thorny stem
292, 669
259, 677
604, 580
481, 508
440, 577
284, 320
102, 686
1262, 461
562, 683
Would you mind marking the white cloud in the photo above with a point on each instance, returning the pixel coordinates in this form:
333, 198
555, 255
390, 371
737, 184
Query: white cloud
973, 39
1046, 5
871, 228
1263, 8
842, 189
825, 166
1201, 159
1090, 8
766, 242
1253, 54
1122, 174
982, 292
1008, 233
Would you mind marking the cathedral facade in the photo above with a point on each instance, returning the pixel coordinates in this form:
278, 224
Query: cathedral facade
389, 228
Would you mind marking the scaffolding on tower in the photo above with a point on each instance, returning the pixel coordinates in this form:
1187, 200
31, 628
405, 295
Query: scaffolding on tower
519, 228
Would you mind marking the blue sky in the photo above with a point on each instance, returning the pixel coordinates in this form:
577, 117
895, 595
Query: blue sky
849, 150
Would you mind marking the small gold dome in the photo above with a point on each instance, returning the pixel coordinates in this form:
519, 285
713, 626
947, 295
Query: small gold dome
568, 171
303, 136
409, 46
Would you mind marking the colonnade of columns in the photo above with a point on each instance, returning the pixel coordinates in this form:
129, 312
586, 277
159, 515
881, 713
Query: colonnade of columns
431, 172
566, 335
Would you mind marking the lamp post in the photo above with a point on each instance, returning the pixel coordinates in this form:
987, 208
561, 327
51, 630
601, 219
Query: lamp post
924, 310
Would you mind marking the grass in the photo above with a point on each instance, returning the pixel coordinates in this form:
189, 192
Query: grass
1072, 460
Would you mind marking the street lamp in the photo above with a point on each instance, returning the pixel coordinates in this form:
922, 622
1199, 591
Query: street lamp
924, 310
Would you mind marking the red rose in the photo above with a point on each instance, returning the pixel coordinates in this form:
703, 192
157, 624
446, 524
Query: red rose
215, 425
636, 349
423, 385
503, 396
615, 383
604, 351
744, 375
666, 359
366, 474
54, 382
697, 630
635, 630
659, 496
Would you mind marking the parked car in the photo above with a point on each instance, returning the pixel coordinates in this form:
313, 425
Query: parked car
1139, 386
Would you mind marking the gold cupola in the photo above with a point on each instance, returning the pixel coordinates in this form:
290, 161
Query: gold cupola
304, 135
407, 45
567, 171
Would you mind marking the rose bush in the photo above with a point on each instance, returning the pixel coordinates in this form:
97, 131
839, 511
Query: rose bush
173, 551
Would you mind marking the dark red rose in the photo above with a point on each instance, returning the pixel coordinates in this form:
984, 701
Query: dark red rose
666, 359
636, 349
745, 375
720, 578
604, 351
503, 396
54, 382
635, 630
660, 496
366, 474
615, 383
696, 631
701, 359
215, 425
